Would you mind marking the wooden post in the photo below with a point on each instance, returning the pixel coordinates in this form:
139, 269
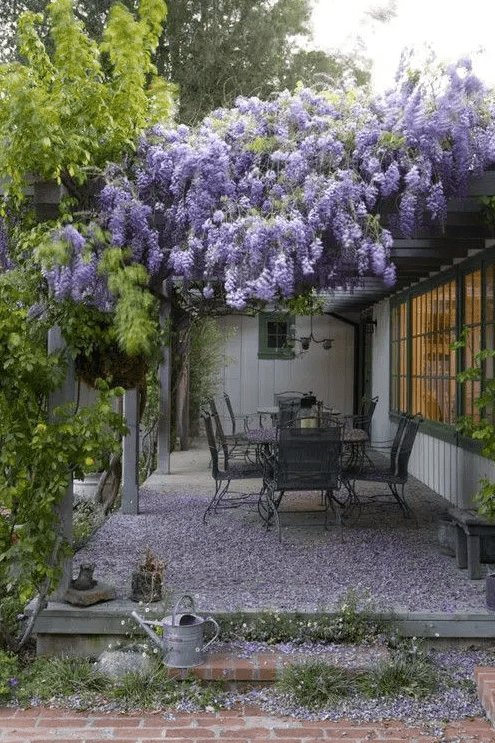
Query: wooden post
182, 401
60, 397
130, 454
164, 378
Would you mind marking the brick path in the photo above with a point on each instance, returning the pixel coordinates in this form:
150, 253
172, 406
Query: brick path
242, 725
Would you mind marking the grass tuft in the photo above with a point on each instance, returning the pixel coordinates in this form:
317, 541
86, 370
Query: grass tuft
314, 683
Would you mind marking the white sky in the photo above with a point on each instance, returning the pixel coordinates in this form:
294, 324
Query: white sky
452, 28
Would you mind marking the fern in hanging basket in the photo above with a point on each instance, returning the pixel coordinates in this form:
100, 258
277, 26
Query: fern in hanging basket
114, 366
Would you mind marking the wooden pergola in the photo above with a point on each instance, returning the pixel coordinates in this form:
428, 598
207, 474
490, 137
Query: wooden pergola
432, 248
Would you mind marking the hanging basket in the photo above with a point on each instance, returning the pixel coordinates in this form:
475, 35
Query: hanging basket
114, 366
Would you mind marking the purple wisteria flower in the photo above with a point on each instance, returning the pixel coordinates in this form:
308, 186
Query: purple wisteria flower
270, 197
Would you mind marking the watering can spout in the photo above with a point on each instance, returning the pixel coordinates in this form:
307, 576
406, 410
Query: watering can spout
152, 635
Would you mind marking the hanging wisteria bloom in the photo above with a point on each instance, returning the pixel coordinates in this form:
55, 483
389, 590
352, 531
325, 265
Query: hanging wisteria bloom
271, 198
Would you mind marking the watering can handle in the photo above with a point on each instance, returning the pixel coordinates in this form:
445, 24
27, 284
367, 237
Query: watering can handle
217, 630
179, 602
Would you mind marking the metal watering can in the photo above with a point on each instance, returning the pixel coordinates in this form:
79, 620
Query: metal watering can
182, 641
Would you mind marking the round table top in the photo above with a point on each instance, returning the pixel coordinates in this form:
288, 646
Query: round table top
261, 435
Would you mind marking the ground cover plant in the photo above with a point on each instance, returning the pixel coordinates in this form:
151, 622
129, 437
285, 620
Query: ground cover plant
356, 620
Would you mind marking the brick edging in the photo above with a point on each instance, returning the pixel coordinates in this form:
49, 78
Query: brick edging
484, 677
259, 667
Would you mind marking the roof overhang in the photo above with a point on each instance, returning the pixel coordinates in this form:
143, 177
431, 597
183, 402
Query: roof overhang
432, 249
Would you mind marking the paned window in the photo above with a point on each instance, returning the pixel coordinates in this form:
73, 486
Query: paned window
399, 358
433, 369
424, 323
274, 336
472, 321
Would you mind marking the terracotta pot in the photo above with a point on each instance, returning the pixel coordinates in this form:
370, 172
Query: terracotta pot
146, 586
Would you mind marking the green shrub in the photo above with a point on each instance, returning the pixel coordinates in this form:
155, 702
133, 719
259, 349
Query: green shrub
9, 675
87, 518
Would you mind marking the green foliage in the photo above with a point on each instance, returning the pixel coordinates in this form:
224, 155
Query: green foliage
65, 676
9, 672
87, 518
153, 689
482, 429
305, 304
73, 104
315, 683
215, 51
354, 621
41, 448
205, 358
408, 671
136, 312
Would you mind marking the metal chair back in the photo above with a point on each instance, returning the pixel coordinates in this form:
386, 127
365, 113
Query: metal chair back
365, 415
308, 458
288, 412
220, 435
405, 447
212, 444
401, 427
230, 410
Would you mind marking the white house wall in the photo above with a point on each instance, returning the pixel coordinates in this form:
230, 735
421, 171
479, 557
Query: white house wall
449, 470
252, 382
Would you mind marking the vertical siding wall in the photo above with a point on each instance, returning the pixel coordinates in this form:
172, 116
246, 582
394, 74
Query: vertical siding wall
449, 470
253, 382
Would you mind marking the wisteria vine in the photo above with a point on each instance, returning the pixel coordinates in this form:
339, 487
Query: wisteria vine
271, 198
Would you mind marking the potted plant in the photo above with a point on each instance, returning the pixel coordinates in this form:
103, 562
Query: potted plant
147, 578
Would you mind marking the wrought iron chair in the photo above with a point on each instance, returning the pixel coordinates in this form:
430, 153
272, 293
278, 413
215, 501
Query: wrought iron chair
223, 477
288, 411
247, 424
357, 432
394, 474
236, 443
287, 395
304, 459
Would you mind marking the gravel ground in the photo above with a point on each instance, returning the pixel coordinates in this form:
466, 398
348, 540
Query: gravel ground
232, 562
